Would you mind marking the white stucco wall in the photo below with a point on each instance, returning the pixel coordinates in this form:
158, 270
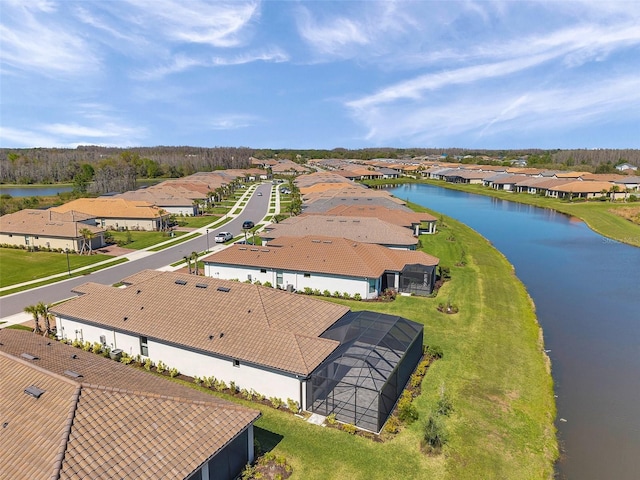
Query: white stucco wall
263, 380
314, 281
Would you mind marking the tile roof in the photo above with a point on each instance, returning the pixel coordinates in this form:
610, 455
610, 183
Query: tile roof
322, 254
396, 217
585, 187
260, 325
114, 421
358, 229
112, 208
46, 223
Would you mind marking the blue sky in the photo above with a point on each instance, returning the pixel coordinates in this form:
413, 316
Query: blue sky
319, 74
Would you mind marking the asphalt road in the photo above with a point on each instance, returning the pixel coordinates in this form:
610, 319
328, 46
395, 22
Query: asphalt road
255, 210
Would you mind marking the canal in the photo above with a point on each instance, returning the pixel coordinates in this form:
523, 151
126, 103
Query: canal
587, 294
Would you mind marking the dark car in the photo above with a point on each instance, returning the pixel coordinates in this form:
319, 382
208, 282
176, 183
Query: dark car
248, 224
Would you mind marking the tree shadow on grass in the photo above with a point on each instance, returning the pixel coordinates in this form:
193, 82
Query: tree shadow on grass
267, 439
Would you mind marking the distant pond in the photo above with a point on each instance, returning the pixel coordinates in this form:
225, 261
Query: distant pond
587, 294
40, 191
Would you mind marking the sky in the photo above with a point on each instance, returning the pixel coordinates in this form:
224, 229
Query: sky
320, 74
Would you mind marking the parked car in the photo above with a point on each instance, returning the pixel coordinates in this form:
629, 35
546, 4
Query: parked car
222, 237
244, 242
259, 194
247, 225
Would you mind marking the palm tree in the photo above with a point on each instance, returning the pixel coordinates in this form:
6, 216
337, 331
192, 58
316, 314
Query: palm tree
194, 256
47, 317
87, 237
35, 311
188, 261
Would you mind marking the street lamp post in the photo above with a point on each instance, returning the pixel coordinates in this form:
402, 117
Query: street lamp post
207, 240
68, 265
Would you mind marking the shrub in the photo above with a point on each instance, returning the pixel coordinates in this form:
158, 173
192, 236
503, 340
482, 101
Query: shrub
97, 347
257, 282
208, 381
444, 405
346, 295
434, 435
197, 380
392, 425
293, 405
407, 412
77, 343
86, 346
276, 402
308, 290
350, 428
126, 359
161, 367
336, 294
267, 284
331, 419
415, 380
106, 352
220, 386
326, 293
434, 351
148, 364
233, 387
632, 198
174, 372
357, 297
317, 292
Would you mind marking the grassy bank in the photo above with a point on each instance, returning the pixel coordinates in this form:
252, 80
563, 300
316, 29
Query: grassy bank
141, 239
599, 216
493, 368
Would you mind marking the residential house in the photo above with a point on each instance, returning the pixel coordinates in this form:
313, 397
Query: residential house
625, 167
323, 263
260, 338
72, 414
417, 222
49, 229
587, 189
119, 213
357, 229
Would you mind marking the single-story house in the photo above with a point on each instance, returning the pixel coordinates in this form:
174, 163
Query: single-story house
623, 167
119, 213
71, 414
326, 263
357, 229
260, 338
174, 205
50, 229
417, 222
587, 189
466, 176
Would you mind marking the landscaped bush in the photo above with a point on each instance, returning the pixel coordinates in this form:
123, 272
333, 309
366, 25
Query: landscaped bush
357, 297
148, 364
434, 351
434, 435
293, 405
308, 290
161, 367
173, 372
349, 428
326, 293
267, 284
331, 419
392, 425
407, 412
276, 402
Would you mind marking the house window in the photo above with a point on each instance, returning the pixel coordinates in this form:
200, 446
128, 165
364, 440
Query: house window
26, 240
36, 237
144, 346
372, 285
307, 275
279, 279
263, 270
236, 363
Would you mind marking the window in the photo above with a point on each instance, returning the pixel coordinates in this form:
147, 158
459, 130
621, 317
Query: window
372, 285
263, 270
236, 363
144, 346
279, 278
307, 275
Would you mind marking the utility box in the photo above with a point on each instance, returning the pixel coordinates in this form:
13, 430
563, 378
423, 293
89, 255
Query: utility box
116, 354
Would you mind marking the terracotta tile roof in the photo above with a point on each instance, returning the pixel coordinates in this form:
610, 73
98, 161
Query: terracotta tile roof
113, 421
602, 177
542, 182
46, 223
358, 229
585, 187
157, 197
112, 208
250, 323
396, 217
323, 187
569, 174
322, 254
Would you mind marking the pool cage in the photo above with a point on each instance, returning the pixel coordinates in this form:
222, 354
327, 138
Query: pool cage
417, 279
362, 379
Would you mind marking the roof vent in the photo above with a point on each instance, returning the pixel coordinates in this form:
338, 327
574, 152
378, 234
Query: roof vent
28, 356
181, 282
315, 241
210, 337
223, 289
264, 250
242, 248
126, 318
34, 391
201, 285
326, 241
138, 292
74, 356
73, 374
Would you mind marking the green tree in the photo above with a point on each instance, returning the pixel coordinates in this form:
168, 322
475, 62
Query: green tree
35, 311
87, 240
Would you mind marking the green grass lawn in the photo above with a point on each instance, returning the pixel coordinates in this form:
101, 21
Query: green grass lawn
22, 266
142, 239
494, 369
202, 220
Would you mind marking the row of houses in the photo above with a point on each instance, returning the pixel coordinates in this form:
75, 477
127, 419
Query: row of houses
81, 223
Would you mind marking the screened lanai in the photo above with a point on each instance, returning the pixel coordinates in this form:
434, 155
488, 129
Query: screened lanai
362, 379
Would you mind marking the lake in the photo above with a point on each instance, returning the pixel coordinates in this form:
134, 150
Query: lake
587, 294
49, 190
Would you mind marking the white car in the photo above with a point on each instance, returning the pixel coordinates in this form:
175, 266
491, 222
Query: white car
223, 237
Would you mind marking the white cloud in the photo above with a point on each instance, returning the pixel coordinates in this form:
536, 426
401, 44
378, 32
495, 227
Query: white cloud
232, 121
334, 37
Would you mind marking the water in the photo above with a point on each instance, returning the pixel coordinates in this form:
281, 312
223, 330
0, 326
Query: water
19, 191
587, 294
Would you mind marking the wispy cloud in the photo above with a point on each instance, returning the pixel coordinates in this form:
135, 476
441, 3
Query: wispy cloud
232, 121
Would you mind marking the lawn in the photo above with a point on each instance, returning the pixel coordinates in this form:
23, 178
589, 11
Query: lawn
20, 266
141, 239
201, 220
494, 369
